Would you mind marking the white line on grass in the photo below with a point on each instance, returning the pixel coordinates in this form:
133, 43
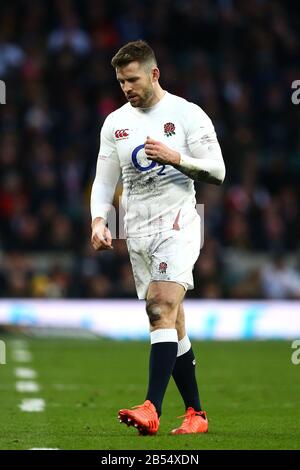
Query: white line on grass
25, 373
27, 386
18, 344
21, 355
32, 405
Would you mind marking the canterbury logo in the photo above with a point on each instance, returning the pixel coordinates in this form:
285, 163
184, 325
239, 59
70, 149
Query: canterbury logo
121, 134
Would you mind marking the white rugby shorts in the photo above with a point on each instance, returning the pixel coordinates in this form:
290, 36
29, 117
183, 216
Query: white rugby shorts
166, 256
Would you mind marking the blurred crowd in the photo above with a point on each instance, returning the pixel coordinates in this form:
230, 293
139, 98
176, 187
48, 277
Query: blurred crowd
236, 59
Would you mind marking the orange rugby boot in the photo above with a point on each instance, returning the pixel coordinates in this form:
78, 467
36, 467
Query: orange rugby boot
194, 422
143, 417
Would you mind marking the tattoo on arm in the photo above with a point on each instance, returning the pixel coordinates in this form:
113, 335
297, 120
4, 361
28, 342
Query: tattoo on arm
199, 175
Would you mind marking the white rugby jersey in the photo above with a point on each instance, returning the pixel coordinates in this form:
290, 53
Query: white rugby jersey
155, 197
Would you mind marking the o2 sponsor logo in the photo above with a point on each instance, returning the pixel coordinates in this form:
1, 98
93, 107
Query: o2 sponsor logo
152, 164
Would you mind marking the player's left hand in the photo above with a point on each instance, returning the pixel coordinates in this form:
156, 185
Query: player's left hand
161, 153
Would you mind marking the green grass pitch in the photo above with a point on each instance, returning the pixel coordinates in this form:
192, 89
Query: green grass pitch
250, 391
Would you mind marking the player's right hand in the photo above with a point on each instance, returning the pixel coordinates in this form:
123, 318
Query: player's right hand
101, 237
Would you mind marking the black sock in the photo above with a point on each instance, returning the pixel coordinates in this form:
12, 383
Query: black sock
185, 379
162, 360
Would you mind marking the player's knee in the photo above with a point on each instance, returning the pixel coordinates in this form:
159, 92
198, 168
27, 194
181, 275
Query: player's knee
154, 311
158, 310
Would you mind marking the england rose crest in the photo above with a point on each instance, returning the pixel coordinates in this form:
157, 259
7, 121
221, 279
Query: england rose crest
169, 129
162, 267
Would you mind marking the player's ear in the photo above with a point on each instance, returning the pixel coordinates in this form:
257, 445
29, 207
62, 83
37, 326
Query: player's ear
155, 73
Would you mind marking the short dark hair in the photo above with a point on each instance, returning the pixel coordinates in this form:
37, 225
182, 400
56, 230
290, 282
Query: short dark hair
138, 51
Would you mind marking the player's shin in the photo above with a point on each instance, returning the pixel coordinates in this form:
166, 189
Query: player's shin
164, 345
185, 376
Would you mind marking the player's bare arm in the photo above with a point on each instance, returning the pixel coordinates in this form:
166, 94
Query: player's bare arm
101, 238
209, 167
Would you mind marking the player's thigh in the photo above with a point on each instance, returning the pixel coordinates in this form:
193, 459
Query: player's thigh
175, 254
140, 263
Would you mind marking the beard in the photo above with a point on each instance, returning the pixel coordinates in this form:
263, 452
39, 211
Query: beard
142, 101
